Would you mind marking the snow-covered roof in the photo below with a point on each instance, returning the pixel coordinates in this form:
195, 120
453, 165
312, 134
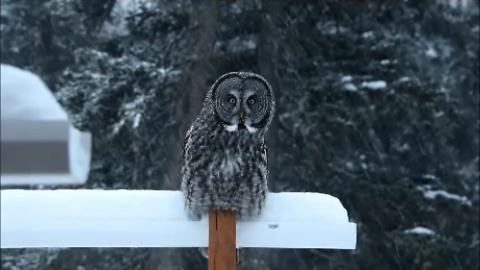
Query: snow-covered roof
35, 126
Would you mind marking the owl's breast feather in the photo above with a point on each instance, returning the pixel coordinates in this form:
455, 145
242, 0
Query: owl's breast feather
231, 164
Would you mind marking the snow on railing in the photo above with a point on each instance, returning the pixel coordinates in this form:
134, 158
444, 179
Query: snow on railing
147, 218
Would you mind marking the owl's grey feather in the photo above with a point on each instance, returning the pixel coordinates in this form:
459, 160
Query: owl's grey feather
225, 168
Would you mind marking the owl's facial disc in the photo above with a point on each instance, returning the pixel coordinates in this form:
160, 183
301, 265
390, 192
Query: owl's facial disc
241, 104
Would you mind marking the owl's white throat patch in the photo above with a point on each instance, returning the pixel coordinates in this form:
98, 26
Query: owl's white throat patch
231, 128
251, 129
235, 127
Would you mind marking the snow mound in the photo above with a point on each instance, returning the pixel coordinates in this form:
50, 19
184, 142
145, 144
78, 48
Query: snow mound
25, 96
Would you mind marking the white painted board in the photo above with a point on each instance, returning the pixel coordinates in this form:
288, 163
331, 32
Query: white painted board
147, 218
30, 117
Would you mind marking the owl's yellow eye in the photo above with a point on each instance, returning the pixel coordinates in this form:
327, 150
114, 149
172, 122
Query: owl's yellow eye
232, 100
251, 101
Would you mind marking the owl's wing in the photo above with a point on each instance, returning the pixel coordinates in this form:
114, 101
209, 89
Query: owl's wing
186, 147
185, 141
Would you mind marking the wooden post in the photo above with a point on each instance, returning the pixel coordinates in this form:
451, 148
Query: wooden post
222, 253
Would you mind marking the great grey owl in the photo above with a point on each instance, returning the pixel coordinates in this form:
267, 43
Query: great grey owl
225, 155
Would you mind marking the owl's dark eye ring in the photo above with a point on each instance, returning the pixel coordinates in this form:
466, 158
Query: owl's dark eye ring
232, 100
251, 101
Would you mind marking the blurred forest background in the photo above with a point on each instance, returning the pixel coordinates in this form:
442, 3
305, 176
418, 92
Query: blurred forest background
378, 105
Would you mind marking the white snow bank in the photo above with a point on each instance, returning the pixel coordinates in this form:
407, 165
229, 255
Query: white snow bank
136, 218
30, 114
420, 230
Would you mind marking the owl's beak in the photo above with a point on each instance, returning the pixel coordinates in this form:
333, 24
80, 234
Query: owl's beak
242, 116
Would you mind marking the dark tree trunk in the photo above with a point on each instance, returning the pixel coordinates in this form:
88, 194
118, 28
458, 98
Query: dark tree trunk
268, 62
197, 74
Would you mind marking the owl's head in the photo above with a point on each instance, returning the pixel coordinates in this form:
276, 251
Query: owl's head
242, 101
